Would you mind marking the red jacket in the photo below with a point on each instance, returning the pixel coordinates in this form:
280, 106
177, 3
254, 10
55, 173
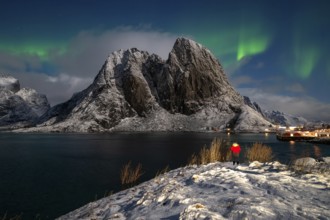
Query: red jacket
236, 149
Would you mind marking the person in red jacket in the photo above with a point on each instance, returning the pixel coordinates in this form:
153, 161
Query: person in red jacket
235, 150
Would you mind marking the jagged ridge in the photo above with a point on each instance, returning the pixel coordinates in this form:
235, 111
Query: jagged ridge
138, 91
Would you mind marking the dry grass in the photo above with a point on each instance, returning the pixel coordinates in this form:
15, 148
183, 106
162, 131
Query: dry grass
317, 151
218, 151
259, 152
163, 171
129, 175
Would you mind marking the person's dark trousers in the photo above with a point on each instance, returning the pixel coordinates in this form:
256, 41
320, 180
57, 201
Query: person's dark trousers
235, 159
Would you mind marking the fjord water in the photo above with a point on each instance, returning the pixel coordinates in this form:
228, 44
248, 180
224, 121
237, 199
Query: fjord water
47, 175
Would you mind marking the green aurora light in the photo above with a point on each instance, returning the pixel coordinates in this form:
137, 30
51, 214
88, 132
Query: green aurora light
305, 60
232, 44
42, 51
303, 54
252, 42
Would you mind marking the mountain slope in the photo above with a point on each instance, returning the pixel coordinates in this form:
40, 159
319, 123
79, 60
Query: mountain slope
219, 191
19, 107
276, 117
283, 119
138, 91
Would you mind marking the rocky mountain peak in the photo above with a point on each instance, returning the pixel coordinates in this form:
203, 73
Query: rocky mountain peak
193, 76
138, 91
9, 82
19, 107
188, 50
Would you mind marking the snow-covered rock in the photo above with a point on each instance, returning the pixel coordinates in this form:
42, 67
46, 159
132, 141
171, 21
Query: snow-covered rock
253, 105
19, 107
136, 91
311, 165
8, 82
37, 102
276, 117
284, 119
306, 161
251, 120
218, 191
326, 160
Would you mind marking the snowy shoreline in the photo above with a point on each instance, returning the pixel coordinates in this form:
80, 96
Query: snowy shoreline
219, 191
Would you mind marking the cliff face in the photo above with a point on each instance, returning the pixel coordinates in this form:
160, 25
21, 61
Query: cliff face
119, 91
192, 78
138, 91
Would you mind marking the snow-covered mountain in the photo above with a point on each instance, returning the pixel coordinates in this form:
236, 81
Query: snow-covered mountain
277, 117
136, 91
220, 191
284, 119
19, 107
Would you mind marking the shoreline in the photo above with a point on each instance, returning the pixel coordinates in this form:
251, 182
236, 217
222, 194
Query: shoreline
193, 190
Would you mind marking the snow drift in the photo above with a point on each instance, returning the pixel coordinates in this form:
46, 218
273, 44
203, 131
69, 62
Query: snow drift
219, 191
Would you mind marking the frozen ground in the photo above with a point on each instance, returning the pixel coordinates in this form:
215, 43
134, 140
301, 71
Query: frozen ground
219, 191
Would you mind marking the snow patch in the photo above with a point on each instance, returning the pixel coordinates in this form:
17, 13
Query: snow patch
219, 191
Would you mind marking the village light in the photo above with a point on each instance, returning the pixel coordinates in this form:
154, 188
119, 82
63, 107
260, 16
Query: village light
291, 128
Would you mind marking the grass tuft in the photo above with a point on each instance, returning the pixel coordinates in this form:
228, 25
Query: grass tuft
259, 152
218, 151
163, 171
129, 175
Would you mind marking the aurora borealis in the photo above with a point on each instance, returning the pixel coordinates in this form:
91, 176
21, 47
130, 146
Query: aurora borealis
276, 48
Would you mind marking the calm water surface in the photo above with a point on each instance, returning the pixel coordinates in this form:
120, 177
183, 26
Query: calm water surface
48, 175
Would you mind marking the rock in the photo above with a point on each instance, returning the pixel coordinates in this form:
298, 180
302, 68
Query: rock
250, 120
19, 107
9, 83
136, 91
306, 161
120, 90
253, 105
193, 77
284, 119
37, 102
326, 160
276, 117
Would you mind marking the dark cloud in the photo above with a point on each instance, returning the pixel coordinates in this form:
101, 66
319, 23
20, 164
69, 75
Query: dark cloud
88, 51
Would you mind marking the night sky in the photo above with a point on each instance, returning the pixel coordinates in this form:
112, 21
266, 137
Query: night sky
275, 52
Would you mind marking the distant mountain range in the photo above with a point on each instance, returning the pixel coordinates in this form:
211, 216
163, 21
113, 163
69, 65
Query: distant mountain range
276, 117
138, 91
